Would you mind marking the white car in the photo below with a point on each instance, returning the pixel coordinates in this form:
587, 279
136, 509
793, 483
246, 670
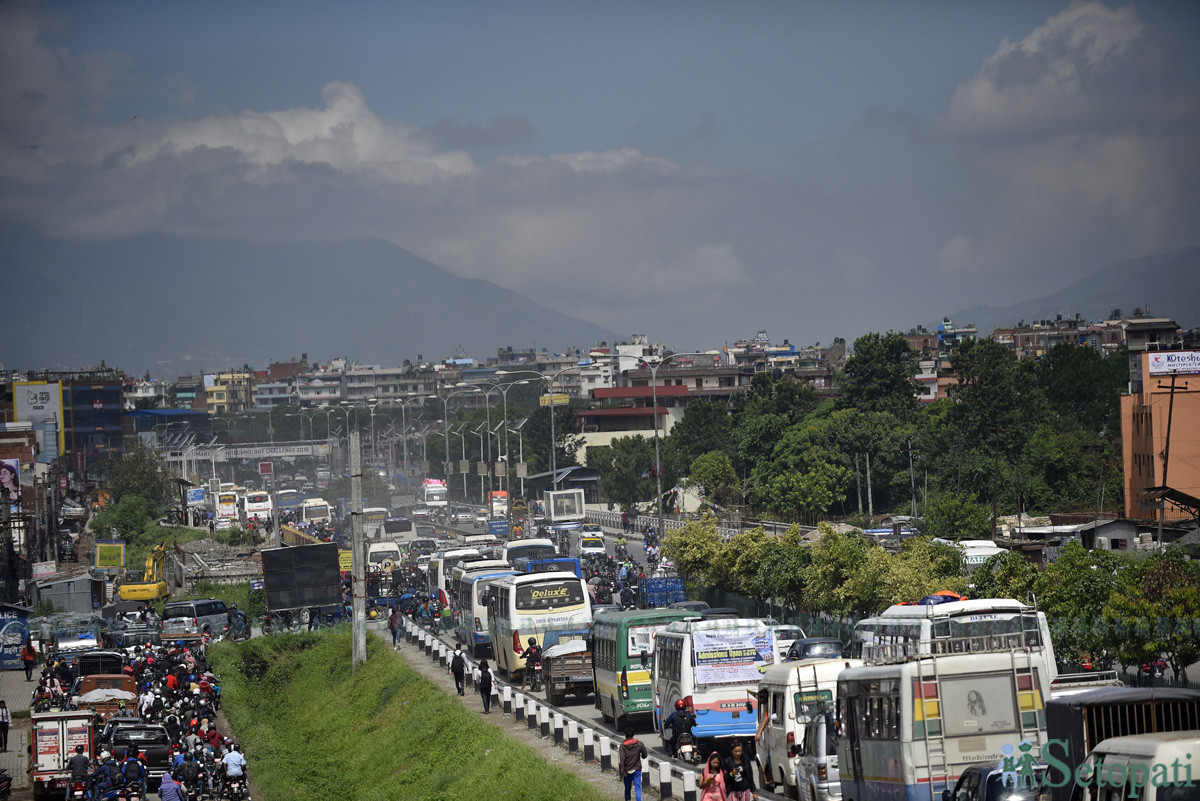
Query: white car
591, 545
481, 517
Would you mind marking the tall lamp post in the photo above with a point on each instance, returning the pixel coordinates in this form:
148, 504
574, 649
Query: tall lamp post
446, 428
654, 401
520, 447
549, 379
404, 424
503, 390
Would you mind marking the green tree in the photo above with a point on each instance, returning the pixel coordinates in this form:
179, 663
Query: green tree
879, 377
1083, 386
714, 473
1005, 575
706, 427
783, 567
140, 472
794, 493
626, 468
698, 552
835, 562
1074, 591
566, 437
743, 563
956, 517
125, 519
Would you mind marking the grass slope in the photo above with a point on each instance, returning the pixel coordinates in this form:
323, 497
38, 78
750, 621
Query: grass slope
314, 730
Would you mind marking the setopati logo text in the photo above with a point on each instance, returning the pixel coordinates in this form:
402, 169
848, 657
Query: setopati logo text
1021, 769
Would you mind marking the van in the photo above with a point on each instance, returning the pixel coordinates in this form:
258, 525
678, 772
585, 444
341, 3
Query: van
794, 693
817, 777
1142, 767
195, 617
379, 553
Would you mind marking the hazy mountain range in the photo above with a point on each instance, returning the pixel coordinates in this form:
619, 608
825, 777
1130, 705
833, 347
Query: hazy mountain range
174, 306
1163, 285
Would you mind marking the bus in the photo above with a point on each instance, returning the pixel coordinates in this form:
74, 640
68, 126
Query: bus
227, 509
909, 729
528, 605
569, 564
437, 575
434, 493
623, 659
713, 666
469, 602
315, 511
533, 549
373, 519
909, 631
257, 504
288, 500
499, 503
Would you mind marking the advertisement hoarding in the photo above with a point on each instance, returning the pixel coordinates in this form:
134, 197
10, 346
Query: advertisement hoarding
41, 402
564, 506
557, 399
730, 657
1167, 362
110, 555
10, 481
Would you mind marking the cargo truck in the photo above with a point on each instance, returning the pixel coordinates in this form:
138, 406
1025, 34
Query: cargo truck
54, 736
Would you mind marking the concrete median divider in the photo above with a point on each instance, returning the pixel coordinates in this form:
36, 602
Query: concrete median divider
531, 713
572, 737
506, 699
558, 725
519, 706
689, 785
589, 745
665, 783
606, 757
544, 721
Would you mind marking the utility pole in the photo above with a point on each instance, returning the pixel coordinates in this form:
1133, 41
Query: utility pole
870, 494
858, 482
358, 598
912, 481
997, 429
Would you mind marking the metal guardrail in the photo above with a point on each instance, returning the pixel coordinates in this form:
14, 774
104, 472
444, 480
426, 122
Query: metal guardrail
593, 743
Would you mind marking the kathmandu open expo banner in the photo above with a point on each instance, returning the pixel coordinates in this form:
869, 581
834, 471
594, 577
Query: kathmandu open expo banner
727, 657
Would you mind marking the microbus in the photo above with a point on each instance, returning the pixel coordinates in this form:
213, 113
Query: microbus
531, 548
469, 602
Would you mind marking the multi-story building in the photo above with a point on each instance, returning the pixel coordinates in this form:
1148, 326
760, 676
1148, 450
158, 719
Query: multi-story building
229, 393
1160, 434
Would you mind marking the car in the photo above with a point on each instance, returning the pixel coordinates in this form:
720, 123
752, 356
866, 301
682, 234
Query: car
481, 517
785, 635
591, 545
462, 514
421, 512
815, 648
987, 782
591, 528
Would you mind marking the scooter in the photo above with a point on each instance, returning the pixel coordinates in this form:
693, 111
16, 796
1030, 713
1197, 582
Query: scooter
687, 750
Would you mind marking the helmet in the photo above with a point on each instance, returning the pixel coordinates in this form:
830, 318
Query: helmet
120, 704
680, 705
105, 755
233, 608
532, 641
179, 643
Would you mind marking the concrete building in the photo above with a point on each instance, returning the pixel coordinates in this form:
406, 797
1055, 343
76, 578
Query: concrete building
229, 393
1162, 474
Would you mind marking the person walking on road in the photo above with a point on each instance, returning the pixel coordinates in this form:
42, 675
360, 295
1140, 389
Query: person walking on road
629, 757
28, 658
394, 625
5, 722
712, 781
458, 667
484, 683
739, 776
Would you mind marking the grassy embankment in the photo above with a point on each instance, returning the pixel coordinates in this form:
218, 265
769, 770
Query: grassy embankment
314, 730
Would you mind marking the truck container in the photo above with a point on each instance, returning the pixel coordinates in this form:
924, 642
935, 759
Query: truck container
566, 665
54, 736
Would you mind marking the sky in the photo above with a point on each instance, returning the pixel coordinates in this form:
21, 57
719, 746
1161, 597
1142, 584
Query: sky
693, 170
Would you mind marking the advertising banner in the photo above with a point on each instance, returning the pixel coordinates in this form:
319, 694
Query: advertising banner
10, 481
40, 401
42, 570
731, 657
195, 496
557, 399
110, 555
14, 628
1165, 363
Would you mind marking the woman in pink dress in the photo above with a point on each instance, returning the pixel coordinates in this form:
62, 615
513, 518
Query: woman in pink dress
712, 781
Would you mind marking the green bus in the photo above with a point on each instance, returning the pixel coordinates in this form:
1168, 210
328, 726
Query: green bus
623, 660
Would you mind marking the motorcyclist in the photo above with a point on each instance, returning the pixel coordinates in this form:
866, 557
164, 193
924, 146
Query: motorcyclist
189, 772
132, 770
233, 764
79, 766
123, 711
681, 722
106, 776
532, 656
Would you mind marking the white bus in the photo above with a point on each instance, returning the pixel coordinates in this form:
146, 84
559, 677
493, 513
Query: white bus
373, 520
437, 575
908, 631
469, 602
258, 504
908, 730
227, 509
315, 511
714, 667
530, 604
533, 549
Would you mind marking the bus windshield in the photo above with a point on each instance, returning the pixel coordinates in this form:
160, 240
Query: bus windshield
533, 552
641, 638
536, 596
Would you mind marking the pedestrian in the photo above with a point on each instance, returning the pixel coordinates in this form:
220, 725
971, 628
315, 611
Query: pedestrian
5, 722
394, 625
739, 775
458, 667
45, 637
712, 780
28, 657
484, 682
629, 757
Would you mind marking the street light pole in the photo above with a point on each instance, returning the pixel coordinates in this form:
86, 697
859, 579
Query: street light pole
654, 415
446, 429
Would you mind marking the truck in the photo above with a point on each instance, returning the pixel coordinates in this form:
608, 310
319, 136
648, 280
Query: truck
1077, 724
566, 665
54, 736
103, 694
148, 739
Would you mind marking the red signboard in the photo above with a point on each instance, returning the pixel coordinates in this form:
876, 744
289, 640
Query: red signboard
265, 468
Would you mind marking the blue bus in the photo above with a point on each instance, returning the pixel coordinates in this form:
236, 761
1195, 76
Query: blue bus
525, 564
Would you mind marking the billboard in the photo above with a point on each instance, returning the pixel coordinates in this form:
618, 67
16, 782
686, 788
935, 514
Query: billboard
557, 399
302, 576
1167, 362
110, 555
10, 481
41, 402
564, 506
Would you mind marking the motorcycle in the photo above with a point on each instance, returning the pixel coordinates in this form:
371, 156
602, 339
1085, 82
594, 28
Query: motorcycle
235, 788
192, 791
535, 678
78, 791
133, 791
687, 750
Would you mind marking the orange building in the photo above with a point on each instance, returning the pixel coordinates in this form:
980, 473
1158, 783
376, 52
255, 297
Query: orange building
1155, 468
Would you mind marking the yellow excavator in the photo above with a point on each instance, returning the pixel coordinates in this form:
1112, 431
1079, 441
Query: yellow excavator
147, 585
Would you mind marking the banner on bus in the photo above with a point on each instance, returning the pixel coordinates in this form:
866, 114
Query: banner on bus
728, 657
